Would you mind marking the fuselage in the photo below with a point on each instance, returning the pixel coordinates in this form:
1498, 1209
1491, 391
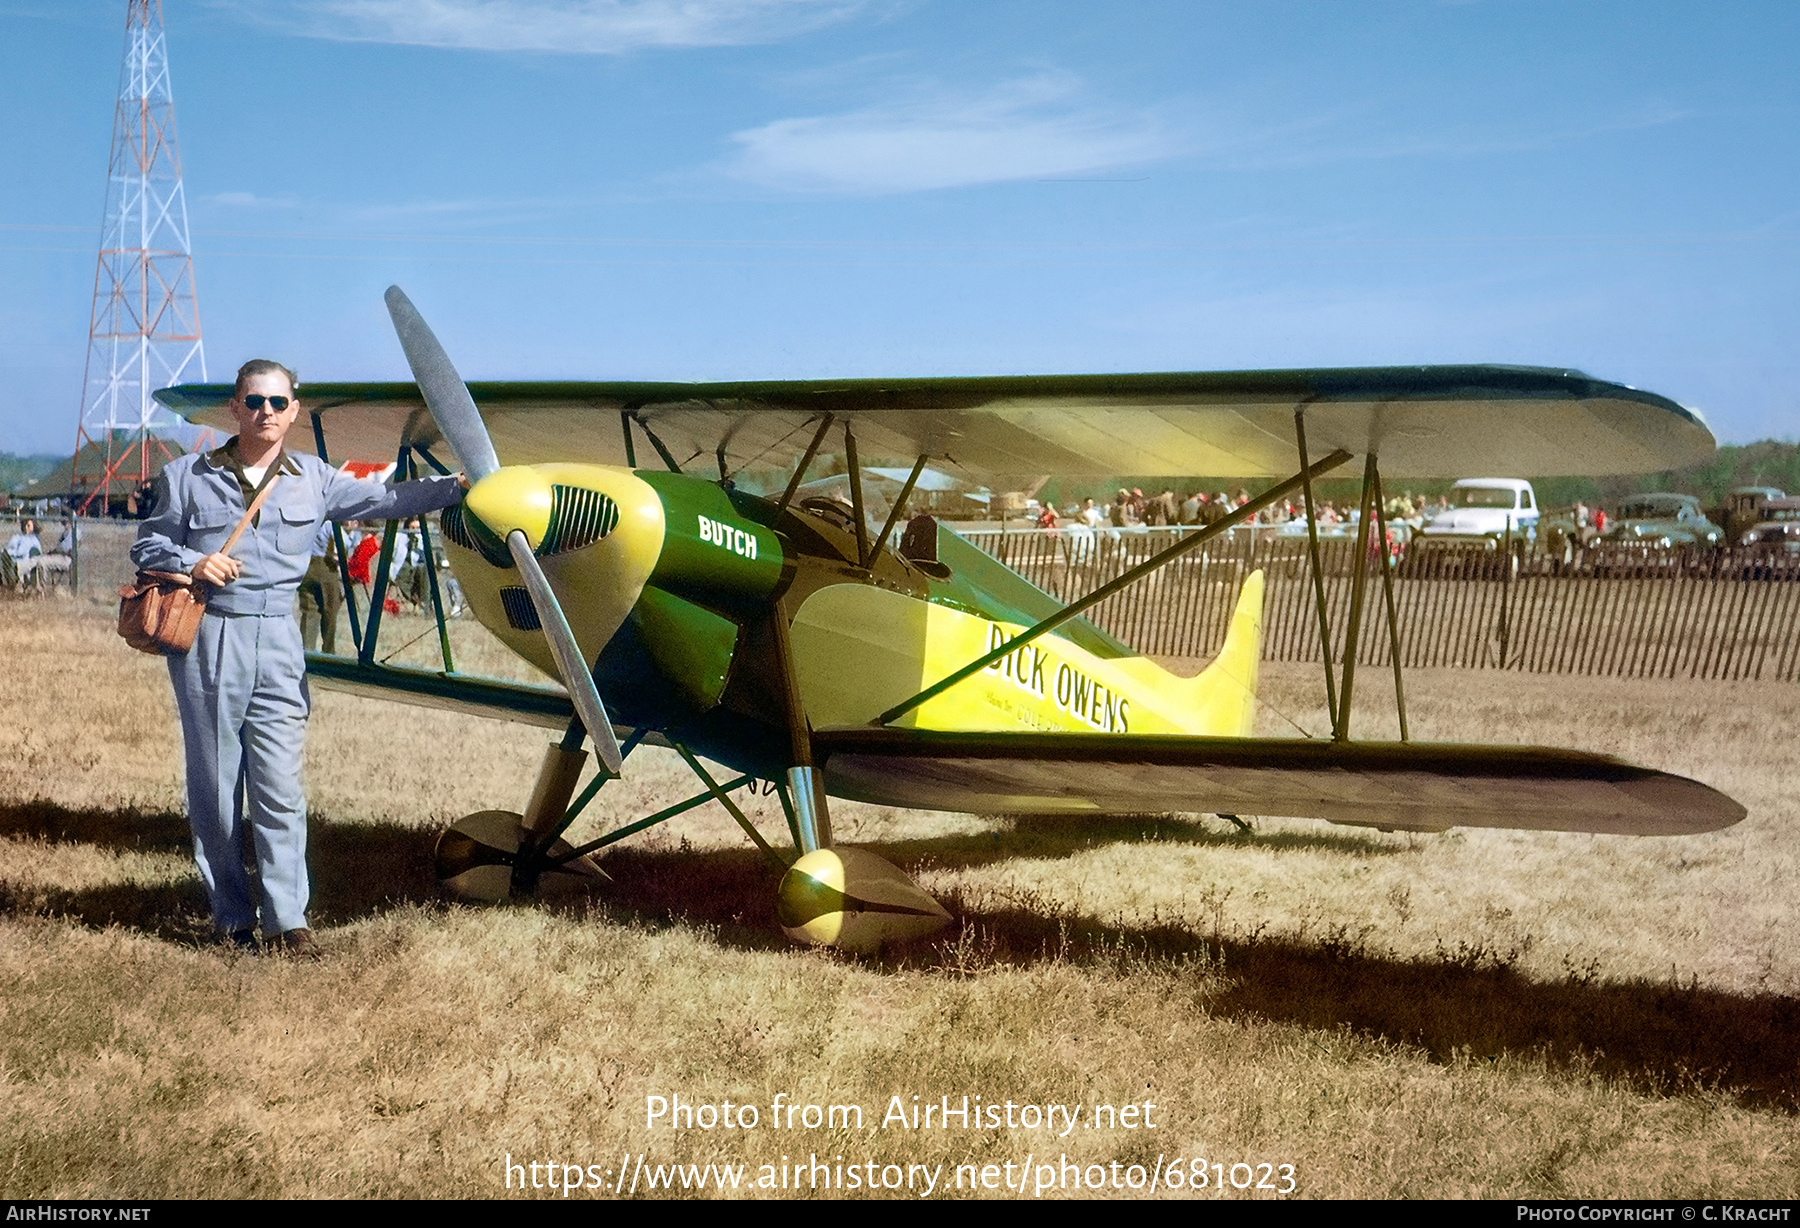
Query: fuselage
687, 593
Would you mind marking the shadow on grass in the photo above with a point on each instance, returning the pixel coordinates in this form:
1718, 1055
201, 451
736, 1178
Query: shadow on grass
129, 830
1467, 1004
358, 870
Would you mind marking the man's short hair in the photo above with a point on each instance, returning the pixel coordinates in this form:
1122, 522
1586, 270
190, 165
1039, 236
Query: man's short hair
263, 366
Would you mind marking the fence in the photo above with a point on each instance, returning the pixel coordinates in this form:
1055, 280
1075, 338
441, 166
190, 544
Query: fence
1651, 614
1618, 611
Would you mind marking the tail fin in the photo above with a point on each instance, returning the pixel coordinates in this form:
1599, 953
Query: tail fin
1224, 695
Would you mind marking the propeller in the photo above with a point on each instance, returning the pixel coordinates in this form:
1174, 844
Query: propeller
453, 409
569, 661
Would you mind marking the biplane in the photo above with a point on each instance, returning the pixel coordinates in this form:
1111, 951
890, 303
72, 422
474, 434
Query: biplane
810, 652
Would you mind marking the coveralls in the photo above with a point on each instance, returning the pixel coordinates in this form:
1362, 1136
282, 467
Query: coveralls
241, 689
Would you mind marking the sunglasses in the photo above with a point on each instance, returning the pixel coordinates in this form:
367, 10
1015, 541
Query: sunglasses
255, 401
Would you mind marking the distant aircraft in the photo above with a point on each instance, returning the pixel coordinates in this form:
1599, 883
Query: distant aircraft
780, 638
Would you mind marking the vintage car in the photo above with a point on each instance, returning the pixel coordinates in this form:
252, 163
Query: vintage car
1564, 535
1770, 548
1662, 522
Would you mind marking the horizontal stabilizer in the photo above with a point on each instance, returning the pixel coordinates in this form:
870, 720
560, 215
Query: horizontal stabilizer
1402, 785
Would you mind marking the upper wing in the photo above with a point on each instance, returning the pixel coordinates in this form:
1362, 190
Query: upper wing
1422, 421
1404, 785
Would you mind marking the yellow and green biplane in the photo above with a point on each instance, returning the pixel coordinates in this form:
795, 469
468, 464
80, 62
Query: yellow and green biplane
793, 642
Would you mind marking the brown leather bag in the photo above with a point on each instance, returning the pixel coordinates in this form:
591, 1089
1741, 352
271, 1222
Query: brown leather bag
161, 612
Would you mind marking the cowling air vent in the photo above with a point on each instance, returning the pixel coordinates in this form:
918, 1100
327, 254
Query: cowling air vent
521, 615
467, 531
578, 517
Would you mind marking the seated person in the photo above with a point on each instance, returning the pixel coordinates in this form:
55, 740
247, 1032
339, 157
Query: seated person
25, 548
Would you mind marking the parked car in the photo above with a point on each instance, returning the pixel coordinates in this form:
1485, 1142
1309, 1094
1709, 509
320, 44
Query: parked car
1663, 522
1565, 534
1771, 547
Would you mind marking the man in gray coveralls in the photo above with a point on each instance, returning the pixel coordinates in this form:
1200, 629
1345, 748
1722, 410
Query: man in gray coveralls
241, 689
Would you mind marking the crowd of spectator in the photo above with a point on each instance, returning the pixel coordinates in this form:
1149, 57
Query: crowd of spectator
1133, 509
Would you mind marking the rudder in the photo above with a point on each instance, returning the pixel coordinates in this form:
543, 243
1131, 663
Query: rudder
1224, 693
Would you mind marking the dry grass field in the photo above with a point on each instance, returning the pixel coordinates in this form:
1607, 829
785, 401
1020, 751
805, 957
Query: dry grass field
1482, 1014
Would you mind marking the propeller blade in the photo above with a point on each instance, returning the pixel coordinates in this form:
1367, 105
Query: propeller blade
576, 675
452, 408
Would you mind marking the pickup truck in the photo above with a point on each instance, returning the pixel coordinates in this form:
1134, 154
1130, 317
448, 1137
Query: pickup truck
1484, 515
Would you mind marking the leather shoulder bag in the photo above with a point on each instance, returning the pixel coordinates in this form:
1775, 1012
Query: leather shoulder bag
160, 612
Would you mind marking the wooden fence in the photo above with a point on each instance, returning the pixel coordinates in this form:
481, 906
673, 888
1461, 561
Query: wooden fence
1623, 612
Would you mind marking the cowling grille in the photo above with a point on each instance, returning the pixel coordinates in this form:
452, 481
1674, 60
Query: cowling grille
521, 615
468, 532
578, 517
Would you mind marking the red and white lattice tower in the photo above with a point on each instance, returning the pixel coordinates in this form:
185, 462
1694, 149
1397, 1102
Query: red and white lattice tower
145, 331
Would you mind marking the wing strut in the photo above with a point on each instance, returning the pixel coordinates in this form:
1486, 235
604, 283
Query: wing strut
431, 573
1318, 574
337, 539
899, 507
661, 450
1370, 516
378, 591
1358, 587
630, 444
812, 450
856, 496
1387, 587
1155, 561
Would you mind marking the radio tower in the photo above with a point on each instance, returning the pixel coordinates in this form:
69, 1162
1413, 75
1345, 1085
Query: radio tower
145, 330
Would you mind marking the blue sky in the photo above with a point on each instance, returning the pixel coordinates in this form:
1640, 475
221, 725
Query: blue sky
685, 189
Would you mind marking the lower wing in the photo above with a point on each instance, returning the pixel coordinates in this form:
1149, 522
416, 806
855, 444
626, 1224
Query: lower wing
1408, 786
1391, 785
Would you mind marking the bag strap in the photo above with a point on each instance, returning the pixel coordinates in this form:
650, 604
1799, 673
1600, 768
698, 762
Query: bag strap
262, 493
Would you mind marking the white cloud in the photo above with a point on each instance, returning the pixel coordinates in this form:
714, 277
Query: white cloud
1032, 128
594, 27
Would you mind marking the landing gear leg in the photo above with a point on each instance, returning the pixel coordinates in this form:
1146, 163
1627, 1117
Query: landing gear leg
488, 856
811, 816
836, 896
549, 802
805, 782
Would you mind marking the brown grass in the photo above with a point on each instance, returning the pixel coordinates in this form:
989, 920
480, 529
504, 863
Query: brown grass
1481, 1013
